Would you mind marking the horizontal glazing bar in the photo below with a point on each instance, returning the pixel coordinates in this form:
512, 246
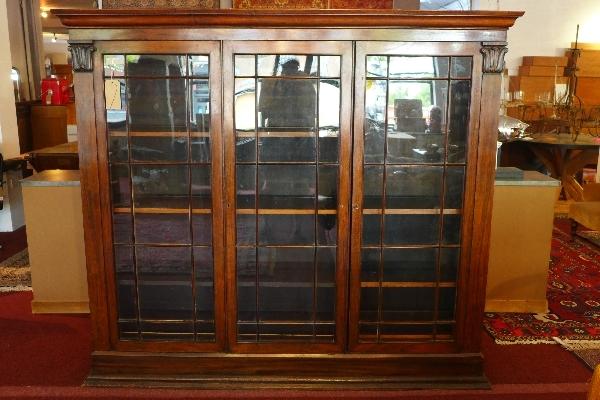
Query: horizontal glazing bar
282, 134
151, 210
407, 284
411, 211
418, 79
285, 246
283, 322
166, 321
416, 165
283, 211
157, 134
413, 246
410, 323
403, 338
320, 163
285, 284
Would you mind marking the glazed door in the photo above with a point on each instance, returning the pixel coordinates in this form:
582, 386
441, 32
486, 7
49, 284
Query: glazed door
287, 150
414, 152
159, 134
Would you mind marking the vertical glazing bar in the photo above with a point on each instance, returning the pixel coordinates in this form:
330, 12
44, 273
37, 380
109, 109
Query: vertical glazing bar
188, 89
383, 205
256, 199
436, 301
315, 252
133, 219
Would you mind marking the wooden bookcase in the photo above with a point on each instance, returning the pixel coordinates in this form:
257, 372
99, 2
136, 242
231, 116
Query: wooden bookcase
287, 198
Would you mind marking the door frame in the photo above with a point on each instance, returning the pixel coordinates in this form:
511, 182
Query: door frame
213, 50
439, 49
344, 49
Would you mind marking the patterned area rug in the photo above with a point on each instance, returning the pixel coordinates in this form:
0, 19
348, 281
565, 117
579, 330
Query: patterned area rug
588, 352
573, 298
15, 273
592, 236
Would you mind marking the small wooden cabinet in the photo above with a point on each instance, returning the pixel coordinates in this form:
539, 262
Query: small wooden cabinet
287, 199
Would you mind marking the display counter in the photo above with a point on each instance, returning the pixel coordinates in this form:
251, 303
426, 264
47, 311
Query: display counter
52, 202
521, 235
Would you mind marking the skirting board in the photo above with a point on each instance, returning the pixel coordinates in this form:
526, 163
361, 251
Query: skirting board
276, 371
60, 307
528, 306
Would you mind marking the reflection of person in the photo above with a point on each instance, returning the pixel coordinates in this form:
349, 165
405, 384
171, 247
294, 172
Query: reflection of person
289, 102
435, 120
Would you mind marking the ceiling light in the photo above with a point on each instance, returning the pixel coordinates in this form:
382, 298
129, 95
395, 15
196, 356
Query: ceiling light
44, 14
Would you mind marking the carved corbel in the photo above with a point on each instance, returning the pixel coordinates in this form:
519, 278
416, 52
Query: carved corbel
493, 57
81, 56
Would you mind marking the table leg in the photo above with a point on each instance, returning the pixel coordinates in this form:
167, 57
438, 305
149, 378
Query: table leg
551, 159
575, 161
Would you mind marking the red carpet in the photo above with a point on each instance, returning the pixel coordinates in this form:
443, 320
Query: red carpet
41, 349
573, 297
47, 357
12, 242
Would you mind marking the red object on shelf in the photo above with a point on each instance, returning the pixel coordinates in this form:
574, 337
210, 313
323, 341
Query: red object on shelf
55, 91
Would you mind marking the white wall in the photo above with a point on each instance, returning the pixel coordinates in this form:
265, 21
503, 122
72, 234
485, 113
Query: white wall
548, 26
11, 217
17, 45
57, 51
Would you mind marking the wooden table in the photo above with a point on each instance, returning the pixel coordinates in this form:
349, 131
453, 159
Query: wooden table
62, 156
564, 157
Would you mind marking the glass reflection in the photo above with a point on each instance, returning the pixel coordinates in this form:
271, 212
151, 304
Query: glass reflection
460, 99
287, 186
245, 64
275, 64
288, 103
377, 66
330, 66
375, 114
114, 65
157, 105
244, 104
198, 65
413, 187
409, 265
408, 304
286, 278
461, 67
153, 65
418, 67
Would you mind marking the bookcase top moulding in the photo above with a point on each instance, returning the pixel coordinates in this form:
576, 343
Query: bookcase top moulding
191, 18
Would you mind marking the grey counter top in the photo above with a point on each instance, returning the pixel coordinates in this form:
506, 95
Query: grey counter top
530, 178
53, 177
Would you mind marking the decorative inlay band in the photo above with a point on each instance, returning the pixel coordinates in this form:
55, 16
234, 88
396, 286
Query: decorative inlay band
160, 4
